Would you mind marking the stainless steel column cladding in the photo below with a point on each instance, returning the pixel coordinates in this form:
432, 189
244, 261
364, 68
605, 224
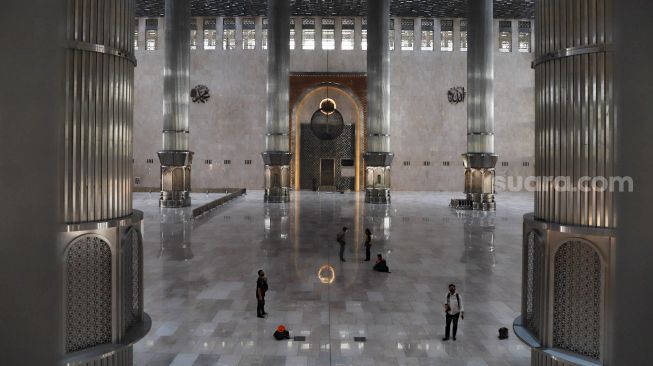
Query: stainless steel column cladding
378, 158
175, 158
277, 156
573, 226
100, 240
480, 158
575, 125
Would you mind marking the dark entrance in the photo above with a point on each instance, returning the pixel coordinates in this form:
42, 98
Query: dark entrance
322, 160
327, 174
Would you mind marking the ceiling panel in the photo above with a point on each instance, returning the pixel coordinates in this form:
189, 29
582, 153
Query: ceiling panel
523, 9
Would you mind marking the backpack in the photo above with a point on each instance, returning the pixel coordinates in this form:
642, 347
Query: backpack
457, 299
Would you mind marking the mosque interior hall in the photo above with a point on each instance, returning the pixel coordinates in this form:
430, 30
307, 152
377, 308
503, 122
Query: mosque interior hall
326, 182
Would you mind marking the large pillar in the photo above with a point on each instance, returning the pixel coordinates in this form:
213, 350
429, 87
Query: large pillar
480, 159
569, 241
633, 290
277, 156
32, 97
378, 157
175, 157
100, 241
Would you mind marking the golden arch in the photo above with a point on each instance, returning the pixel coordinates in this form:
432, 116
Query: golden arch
295, 126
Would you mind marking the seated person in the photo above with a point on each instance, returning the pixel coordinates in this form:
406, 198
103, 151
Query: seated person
281, 333
381, 265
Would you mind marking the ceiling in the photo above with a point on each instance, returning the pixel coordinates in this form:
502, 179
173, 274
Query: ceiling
514, 9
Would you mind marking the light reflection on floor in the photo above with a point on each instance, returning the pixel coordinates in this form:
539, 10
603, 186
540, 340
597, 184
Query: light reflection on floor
200, 282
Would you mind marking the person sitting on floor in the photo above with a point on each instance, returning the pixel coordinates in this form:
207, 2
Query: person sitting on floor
281, 333
381, 265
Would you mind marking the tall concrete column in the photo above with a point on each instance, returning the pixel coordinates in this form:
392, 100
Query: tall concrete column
378, 157
100, 242
480, 159
175, 157
569, 242
277, 156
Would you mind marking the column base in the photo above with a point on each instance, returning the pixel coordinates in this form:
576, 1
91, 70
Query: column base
175, 178
277, 195
377, 177
113, 354
377, 195
277, 176
103, 291
482, 201
479, 182
174, 199
565, 289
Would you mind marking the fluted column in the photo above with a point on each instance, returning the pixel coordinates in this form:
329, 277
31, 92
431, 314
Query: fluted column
175, 157
100, 240
378, 157
480, 159
277, 156
569, 241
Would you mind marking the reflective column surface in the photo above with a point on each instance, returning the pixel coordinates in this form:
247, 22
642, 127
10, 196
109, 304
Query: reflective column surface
200, 279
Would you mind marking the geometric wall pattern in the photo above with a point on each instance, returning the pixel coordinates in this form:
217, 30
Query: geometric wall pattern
508, 9
534, 272
313, 149
131, 267
88, 294
577, 299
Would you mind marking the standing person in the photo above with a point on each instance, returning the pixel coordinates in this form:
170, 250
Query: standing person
368, 244
453, 309
261, 288
341, 240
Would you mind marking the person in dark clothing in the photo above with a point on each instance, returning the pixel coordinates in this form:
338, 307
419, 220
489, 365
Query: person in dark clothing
281, 333
453, 309
341, 240
261, 288
368, 244
381, 265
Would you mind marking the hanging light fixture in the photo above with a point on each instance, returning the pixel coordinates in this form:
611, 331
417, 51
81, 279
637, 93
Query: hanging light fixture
327, 122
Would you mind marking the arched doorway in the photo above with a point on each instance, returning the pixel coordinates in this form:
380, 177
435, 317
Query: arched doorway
313, 158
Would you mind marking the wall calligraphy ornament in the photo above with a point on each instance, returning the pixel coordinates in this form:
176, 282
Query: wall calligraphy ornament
456, 94
200, 94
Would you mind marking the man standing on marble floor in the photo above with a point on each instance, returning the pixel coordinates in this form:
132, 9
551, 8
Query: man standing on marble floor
453, 308
261, 288
341, 240
368, 244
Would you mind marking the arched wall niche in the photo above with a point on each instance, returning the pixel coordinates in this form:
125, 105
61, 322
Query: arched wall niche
350, 93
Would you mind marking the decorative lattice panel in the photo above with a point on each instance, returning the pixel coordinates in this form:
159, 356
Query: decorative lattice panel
312, 149
534, 273
88, 294
131, 278
577, 299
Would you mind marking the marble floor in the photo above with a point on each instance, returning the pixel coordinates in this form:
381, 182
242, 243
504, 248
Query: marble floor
200, 279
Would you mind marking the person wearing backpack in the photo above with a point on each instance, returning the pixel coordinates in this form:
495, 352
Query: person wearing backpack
261, 289
453, 309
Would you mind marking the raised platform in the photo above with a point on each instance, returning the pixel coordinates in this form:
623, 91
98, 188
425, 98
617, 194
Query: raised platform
201, 210
200, 202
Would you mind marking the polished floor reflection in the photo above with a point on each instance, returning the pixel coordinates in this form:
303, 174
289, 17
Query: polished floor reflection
200, 278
